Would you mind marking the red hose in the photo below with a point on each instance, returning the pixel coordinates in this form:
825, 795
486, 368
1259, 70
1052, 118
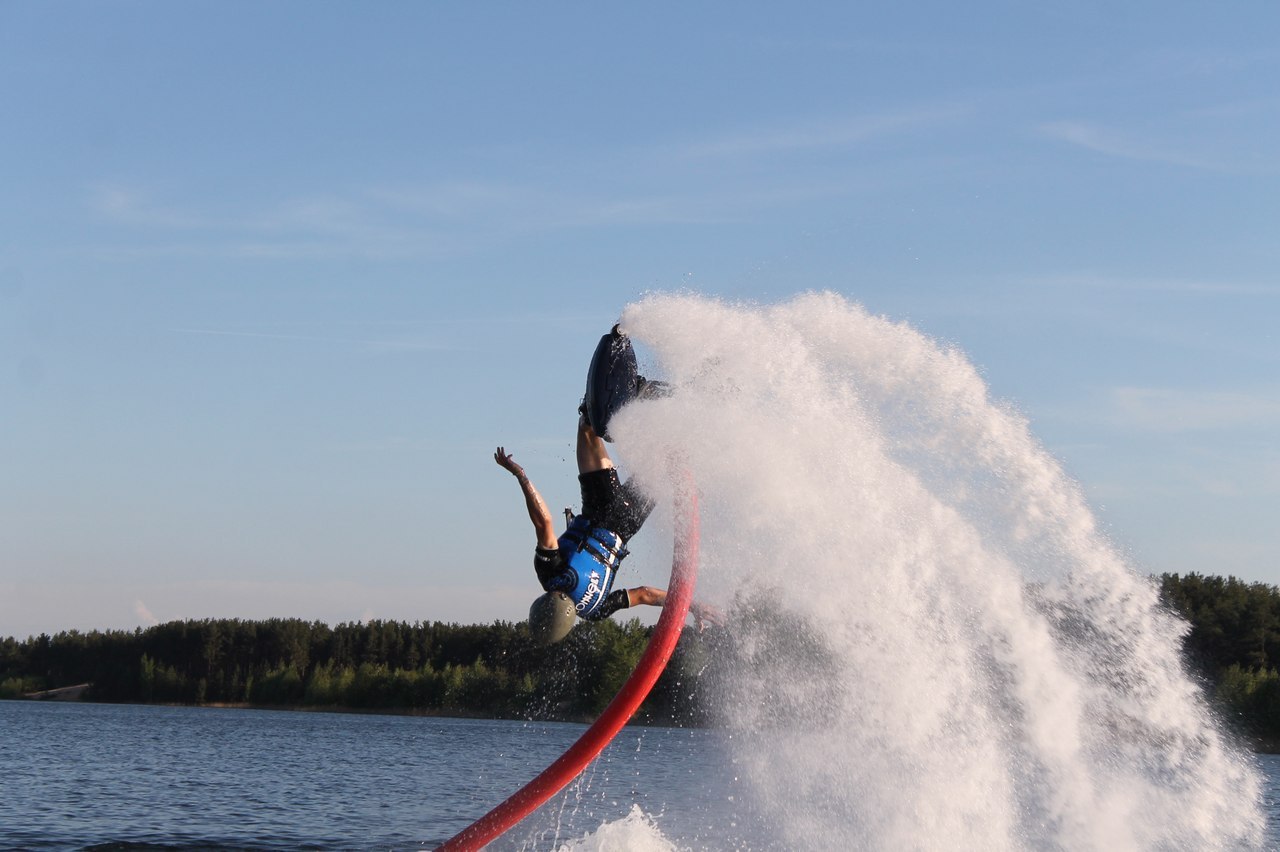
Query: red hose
684, 573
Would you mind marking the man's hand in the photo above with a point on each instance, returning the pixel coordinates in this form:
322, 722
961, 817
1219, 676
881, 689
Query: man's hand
504, 460
704, 614
538, 512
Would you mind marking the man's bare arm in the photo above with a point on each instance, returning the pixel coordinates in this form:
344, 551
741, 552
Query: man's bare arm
652, 596
538, 512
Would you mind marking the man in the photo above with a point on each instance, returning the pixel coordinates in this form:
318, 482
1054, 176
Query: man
577, 569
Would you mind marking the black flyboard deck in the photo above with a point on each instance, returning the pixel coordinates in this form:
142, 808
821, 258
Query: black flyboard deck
612, 381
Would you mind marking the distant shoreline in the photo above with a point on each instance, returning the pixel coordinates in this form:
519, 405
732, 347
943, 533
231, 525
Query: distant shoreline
400, 711
64, 695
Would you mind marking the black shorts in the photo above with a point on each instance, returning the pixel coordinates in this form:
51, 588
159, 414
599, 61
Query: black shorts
619, 508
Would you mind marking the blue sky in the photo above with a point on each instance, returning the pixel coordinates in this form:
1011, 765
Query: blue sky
276, 278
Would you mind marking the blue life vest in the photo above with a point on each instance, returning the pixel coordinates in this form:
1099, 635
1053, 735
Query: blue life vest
593, 554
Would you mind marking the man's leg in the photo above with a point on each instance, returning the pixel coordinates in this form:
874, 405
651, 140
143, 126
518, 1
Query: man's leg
621, 509
592, 453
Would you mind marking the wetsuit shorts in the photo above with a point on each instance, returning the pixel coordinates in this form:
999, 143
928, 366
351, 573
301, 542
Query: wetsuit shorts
619, 508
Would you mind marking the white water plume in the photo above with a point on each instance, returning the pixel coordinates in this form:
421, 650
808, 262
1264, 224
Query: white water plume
635, 832
940, 650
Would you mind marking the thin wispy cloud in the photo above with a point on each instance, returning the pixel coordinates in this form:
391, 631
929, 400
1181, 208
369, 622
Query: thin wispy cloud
497, 209
316, 228
416, 235
654, 184
1112, 143
383, 224
826, 133
1168, 410
331, 215
218, 332
1104, 281
128, 205
1250, 108
776, 44
1100, 301
456, 199
406, 344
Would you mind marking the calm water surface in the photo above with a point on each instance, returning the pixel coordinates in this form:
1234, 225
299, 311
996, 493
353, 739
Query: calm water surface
77, 776
74, 776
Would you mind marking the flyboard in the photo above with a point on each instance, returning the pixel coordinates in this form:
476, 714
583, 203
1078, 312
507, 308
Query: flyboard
613, 380
611, 365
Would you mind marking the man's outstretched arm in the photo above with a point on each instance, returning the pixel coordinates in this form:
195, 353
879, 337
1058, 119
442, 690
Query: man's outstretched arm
538, 512
702, 614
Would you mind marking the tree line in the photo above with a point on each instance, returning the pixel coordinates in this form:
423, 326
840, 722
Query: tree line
1232, 646
490, 670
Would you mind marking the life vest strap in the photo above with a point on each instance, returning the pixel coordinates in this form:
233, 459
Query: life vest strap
603, 545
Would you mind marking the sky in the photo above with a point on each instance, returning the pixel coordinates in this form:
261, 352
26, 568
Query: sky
275, 279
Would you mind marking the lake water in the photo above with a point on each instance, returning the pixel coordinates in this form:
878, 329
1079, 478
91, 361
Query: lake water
78, 776
75, 776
